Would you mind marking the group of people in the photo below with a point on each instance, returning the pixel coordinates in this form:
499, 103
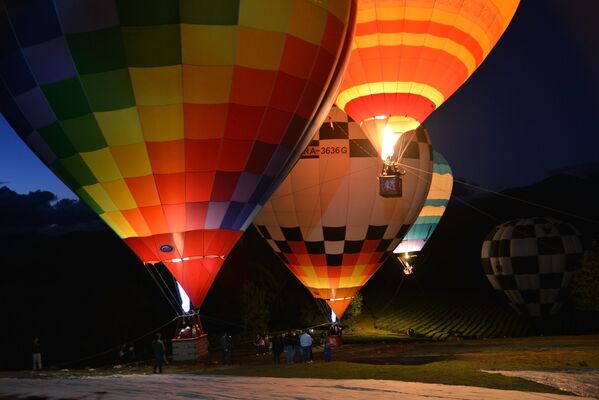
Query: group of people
296, 344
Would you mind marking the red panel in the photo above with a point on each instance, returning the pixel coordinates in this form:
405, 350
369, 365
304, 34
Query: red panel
260, 156
252, 87
298, 247
298, 57
136, 220
198, 186
322, 69
143, 189
318, 260
274, 125
144, 248
334, 272
196, 215
201, 155
175, 217
220, 242
333, 35
399, 104
205, 121
288, 91
224, 185
312, 93
369, 246
171, 188
244, 121
350, 259
154, 217
167, 157
195, 276
339, 307
234, 154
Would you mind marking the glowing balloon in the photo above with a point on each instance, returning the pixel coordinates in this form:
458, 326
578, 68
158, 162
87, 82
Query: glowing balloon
532, 261
171, 119
430, 216
327, 222
409, 56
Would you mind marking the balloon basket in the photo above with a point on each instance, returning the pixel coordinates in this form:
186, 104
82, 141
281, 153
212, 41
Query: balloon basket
334, 341
191, 343
390, 186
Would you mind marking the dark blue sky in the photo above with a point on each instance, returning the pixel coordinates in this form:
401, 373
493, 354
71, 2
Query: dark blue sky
531, 108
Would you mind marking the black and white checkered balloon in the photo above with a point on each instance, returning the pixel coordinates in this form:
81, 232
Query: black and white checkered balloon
532, 261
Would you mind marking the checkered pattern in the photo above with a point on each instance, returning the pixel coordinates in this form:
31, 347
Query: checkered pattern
532, 261
171, 119
327, 222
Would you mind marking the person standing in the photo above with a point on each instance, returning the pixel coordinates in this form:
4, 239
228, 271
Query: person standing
306, 344
289, 342
225, 343
159, 352
277, 347
36, 351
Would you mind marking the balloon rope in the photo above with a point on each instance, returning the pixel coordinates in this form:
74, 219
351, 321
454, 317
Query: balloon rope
513, 198
168, 299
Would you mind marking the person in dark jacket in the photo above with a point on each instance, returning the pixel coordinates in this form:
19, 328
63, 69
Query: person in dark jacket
226, 345
289, 342
277, 347
36, 351
159, 353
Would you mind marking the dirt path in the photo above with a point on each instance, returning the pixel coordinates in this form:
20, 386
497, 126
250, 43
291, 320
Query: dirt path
233, 388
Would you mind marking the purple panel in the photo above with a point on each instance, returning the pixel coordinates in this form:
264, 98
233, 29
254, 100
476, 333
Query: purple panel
216, 213
39, 145
36, 109
87, 15
13, 68
34, 21
245, 186
277, 161
50, 61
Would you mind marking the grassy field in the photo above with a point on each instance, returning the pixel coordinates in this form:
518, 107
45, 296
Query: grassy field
454, 363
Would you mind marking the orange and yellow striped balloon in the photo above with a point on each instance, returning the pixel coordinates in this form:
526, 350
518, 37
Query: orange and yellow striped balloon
409, 56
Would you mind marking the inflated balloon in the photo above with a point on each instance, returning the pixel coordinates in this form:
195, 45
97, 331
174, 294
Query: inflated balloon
532, 261
430, 216
409, 56
171, 119
327, 222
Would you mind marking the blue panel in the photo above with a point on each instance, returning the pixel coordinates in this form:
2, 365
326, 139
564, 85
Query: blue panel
79, 16
13, 67
245, 186
34, 21
50, 61
231, 216
264, 190
242, 219
36, 108
12, 113
277, 161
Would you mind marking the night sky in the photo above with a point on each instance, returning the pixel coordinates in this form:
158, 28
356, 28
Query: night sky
532, 107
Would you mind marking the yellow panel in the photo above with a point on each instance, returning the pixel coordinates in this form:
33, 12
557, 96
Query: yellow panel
418, 39
132, 160
271, 43
367, 89
208, 44
431, 211
120, 127
97, 192
309, 272
119, 224
207, 85
308, 22
101, 163
265, 14
351, 281
120, 195
157, 86
162, 123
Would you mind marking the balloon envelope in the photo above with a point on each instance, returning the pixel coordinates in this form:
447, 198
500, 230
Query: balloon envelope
171, 119
409, 56
532, 260
327, 222
433, 209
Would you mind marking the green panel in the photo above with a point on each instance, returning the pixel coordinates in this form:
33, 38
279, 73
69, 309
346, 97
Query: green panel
75, 172
67, 98
84, 133
98, 51
87, 199
108, 91
57, 139
153, 46
148, 12
210, 12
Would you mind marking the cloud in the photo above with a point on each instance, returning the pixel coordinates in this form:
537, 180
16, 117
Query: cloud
40, 212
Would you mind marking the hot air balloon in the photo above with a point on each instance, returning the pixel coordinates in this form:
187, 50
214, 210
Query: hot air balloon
326, 221
430, 216
532, 261
171, 119
409, 56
